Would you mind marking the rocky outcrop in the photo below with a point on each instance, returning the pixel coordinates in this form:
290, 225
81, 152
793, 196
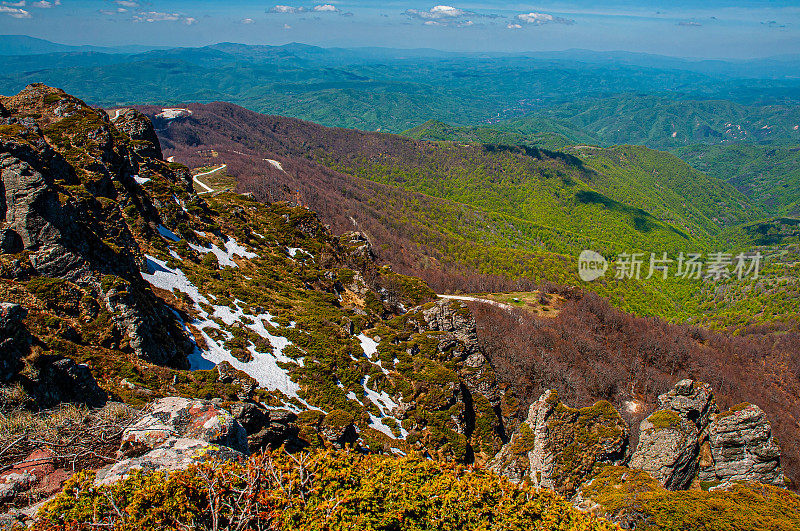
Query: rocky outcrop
740, 447
175, 434
669, 439
64, 380
687, 439
82, 237
14, 339
140, 129
558, 447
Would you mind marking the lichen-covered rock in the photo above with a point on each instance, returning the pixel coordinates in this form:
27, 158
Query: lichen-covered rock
175, 417
558, 447
693, 401
742, 448
338, 429
670, 438
172, 454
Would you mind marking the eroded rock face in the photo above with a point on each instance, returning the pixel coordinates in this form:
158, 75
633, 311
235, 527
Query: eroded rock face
64, 380
687, 439
181, 418
557, 447
742, 448
267, 428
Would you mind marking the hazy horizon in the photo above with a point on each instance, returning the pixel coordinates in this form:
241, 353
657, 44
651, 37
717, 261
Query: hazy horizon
712, 29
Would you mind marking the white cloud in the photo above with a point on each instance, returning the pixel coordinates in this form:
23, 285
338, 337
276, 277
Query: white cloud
286, 9
514, 26
437, 13
21, 3
538, 19
689, 23
446, 16
126, 3
287, 27
326, 8
44, 4
156, 16
248, 21
14, 12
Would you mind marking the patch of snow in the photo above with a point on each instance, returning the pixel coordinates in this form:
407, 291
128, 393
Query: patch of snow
161, 276
352, 396
382, 400
260, 235
294, 250
369, 345
141, 180
225, 257
175, 255
168, 234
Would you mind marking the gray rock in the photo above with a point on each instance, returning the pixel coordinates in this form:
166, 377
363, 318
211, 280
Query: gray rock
175, 417
692, 400
64, 380
551, 449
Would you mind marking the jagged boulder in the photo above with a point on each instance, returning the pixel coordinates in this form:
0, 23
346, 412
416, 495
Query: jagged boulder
740, 447
669, 439
78, 233
693, 401
181, 418
558, 447
13, 339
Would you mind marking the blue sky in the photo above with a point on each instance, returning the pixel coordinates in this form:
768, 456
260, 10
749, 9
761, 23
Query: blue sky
712, 28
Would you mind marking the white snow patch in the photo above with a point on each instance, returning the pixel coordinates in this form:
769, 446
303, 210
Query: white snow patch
294, 250
168, 234
369, 345
161, 276
382, 399
225, 257
141, 180
260, 235
175, 255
